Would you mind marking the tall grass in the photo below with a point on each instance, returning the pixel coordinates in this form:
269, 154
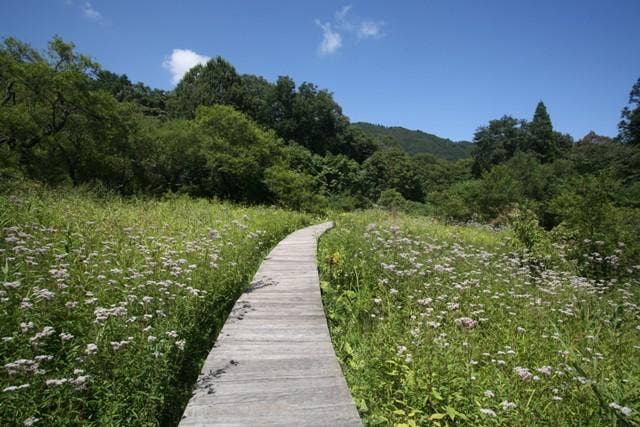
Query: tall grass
108, 306
442, 325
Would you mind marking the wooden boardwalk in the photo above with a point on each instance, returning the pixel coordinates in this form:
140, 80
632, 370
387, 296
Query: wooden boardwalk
273, 362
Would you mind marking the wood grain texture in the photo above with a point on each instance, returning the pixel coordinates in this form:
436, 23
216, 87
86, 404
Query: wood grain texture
273, 362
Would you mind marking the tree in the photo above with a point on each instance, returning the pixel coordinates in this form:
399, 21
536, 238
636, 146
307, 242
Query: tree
215, 82
294, 190
496, 143
237, 153
354, 143
55, 124
629, 126
152, 102
394, 169
542, 139
317, 119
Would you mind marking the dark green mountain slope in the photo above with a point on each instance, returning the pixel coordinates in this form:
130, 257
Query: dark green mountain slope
416, 141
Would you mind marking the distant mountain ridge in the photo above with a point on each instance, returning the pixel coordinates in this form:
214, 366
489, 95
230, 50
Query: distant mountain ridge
417, 141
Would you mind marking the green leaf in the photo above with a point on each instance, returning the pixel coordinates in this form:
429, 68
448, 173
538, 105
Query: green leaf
436, 395
451, 412
437, 416
347, 348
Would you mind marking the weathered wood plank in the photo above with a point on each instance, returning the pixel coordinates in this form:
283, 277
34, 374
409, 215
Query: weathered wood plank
273, 362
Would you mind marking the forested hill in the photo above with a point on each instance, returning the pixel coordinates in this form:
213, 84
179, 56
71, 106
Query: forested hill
416, 141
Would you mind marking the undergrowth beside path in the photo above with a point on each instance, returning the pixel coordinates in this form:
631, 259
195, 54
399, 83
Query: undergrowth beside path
108, 306
441, 325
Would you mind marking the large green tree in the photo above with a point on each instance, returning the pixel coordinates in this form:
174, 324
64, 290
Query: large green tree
496, 143
55, 125
215, 82
542, 140
629, 126
392, 169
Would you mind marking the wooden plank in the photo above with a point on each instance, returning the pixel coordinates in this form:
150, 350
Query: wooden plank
273, 363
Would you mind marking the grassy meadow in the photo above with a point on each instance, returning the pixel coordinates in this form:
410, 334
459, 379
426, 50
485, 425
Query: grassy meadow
441, 325
108, 306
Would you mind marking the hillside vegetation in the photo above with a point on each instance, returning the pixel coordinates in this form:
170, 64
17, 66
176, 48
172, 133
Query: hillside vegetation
109, 306
438, 324
417, 141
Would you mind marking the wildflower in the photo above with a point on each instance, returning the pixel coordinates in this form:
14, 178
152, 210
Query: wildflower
466, 322
545, 370
12, 285
30, 421
489, 393
180, 344
523, 373
557, 398
80, 381
91, 349
46, 332
102, 314
117, 345
24, 365
43, 294
64, 336
26, 327
56, 382
624, 410
13, 388
393, 291
151, 338
487, 412
506, 405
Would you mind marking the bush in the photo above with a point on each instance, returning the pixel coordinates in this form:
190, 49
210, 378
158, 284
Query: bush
293, 189
392, 199
603, 238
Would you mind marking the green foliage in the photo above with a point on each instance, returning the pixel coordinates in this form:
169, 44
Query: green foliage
629, 126
152, 102
138, 279
294, 190
449, 325
394, 169
458, 202
602, 237
499, 191
496, 143
392, 200
215, 82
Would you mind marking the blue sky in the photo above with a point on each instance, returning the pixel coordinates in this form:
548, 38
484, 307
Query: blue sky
443, 66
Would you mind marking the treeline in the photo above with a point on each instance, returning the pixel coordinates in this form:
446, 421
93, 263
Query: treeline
417, 141
64, 120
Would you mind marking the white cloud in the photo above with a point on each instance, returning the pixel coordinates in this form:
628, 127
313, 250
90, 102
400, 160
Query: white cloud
182, 60
370, 29
331, 39
344, 23
341, 18
90, 12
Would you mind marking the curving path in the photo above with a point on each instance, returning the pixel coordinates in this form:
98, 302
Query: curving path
273, 362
